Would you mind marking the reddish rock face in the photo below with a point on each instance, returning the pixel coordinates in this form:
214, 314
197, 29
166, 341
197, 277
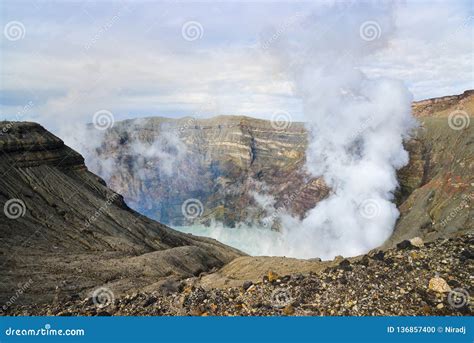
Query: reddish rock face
437, 186
224, 161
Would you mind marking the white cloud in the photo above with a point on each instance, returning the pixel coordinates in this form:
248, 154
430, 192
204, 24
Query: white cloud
139, 65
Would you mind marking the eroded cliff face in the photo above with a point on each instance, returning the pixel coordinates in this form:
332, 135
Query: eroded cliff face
230, 164
248, 170
437, 187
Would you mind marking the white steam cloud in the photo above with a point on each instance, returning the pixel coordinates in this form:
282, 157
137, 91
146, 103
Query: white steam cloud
357, 126
167, 151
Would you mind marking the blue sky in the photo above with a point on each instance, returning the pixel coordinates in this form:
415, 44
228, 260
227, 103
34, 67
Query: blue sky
134, 58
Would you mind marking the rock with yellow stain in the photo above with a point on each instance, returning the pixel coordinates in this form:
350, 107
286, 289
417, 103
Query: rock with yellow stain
289, 310
272, 276
439, 285
187, 289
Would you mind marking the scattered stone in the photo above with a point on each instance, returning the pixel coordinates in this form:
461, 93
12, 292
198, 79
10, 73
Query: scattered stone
371, 288
406, 244
149, 301
64, 314
454, 283
417, 242
467, 254
345, 265
89, 301
196, 312
251, 288
426, 310
272, 277
379, 256
298, 277
289, 310
338, 258
365, 261
439, 285
247, 285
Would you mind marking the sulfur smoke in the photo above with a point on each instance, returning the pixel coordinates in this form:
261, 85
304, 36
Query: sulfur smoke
356, 124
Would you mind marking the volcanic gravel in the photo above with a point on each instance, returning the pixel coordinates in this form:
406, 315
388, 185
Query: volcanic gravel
433, 278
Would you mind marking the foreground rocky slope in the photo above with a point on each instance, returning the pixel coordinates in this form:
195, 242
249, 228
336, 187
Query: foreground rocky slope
64, 232
412, 279
224, 162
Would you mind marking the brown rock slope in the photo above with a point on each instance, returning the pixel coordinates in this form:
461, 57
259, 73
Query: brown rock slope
63, 232
437, 187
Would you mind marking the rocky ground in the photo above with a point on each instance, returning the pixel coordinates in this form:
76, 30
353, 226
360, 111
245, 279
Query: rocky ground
415, 278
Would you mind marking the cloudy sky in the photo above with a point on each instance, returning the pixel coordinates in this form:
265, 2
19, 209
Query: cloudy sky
62, 61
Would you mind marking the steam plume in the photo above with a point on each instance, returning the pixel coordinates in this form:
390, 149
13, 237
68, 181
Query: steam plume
356, 126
